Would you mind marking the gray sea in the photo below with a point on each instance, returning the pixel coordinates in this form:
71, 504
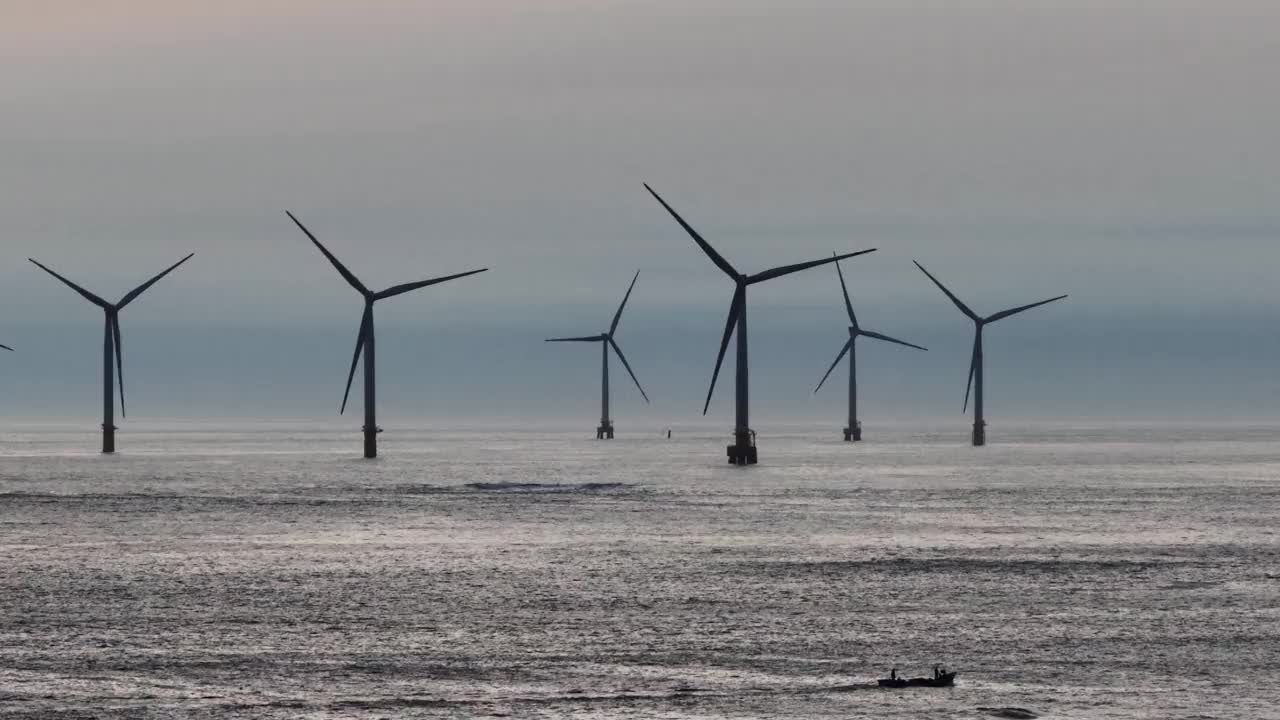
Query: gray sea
1065, 572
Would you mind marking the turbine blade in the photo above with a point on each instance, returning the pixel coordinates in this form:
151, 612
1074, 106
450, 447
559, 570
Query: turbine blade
618, 315
739, 297
627, 365
963, 308
886, 338
788, 269
355, 357
706, 247
142, 288
6, 347
115, 333
85, 293
401, 289
342, 269
973, 367
591, 338
1014, 311
847, 305
847, 344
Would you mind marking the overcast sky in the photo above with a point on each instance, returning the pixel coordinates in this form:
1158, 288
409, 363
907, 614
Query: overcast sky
1125, 153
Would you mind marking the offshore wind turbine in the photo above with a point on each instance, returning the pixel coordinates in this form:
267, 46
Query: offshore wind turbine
605, 431
853, 432
975, 364
365, 340
111, 351
743, 449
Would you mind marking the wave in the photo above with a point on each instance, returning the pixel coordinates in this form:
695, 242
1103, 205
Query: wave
59, 497
1022, 566
1014, 713
157, 498
544, 487
572, 696
501, 487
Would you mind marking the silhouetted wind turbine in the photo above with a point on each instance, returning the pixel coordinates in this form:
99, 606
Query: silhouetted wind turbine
606, 341
364, 339
743, 449
111, 346
975, 364
854, 431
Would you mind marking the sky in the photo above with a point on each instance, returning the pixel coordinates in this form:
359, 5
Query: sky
1124, 153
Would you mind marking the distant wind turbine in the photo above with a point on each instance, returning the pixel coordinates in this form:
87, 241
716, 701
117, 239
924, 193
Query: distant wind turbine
111, 350
365, 340
854, 431
975, 364
743, 449
605, 431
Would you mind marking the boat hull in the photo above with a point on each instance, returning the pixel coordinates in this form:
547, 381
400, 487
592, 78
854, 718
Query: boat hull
943, 680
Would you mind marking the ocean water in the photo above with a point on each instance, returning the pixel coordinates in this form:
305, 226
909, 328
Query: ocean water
1072, 572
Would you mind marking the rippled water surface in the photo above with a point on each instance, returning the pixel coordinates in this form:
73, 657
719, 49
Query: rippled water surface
1074, 573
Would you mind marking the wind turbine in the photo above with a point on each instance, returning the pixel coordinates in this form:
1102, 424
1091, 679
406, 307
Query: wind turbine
854, 431
975, 364
111, 346
606, 341
743, 449
364, 339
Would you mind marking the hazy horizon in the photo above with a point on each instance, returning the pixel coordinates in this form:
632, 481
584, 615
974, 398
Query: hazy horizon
1065, 362
1124, 154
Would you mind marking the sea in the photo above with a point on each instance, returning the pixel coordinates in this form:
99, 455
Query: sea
530, 571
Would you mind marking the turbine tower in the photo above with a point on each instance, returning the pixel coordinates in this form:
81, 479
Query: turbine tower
853, 432
111, 351
975, 364
364, 339
743, 449
605, 431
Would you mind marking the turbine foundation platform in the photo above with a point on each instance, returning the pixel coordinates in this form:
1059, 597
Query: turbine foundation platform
979, 433
743, 450
108, 439
605, 431
370, 441
853, 434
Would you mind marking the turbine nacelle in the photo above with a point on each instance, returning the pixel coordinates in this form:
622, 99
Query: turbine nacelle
607, 336
112, 312
979, 323
738, 304
854, 329
365, 334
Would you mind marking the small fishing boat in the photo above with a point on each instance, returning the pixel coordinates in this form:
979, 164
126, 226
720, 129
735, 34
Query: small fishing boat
946, 679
